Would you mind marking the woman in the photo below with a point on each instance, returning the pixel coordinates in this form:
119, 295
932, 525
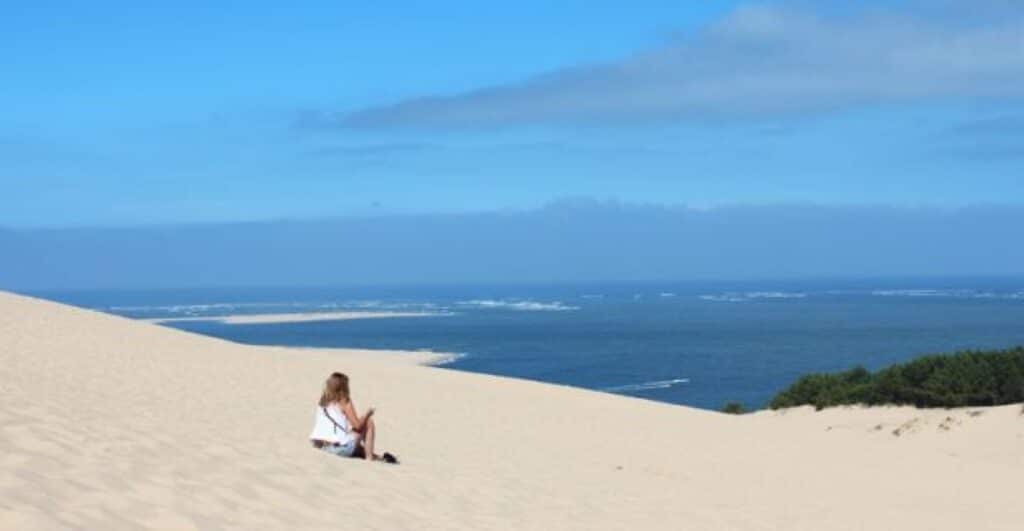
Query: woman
338, 429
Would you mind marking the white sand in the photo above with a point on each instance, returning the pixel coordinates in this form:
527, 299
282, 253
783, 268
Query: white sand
269, 318
107, 423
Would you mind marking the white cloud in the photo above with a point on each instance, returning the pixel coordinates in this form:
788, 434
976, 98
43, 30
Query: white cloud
756, 61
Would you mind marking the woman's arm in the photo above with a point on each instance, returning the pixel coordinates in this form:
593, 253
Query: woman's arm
357, 423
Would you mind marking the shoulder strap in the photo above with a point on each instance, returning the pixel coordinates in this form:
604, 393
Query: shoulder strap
336, 425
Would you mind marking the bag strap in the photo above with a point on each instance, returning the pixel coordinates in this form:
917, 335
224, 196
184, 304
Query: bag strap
336, 425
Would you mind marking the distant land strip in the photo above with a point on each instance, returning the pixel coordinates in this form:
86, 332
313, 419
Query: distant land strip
272, 318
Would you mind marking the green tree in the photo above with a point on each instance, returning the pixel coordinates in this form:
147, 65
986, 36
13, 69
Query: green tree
969, 378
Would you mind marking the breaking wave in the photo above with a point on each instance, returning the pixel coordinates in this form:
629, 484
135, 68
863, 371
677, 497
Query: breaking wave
753, 295
949, 293
448, 358
645, 386
516, 305
201, 309
255, 308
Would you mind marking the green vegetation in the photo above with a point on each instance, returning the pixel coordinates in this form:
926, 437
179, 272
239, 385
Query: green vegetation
734, 408
971, 378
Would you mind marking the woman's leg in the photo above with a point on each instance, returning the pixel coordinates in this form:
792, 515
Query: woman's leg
369, 433
357, 437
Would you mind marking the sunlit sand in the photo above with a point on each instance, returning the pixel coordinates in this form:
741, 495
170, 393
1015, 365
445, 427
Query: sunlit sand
108, 423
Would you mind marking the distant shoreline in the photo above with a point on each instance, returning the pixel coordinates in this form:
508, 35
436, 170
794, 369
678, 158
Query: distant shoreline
277, 318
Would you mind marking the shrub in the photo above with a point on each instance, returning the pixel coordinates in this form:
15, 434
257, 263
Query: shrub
734, 408
970, 378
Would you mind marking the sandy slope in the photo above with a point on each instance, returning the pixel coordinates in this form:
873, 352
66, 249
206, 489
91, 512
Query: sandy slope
107, 423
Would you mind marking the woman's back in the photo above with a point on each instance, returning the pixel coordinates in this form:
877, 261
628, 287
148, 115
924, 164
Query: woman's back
331, 425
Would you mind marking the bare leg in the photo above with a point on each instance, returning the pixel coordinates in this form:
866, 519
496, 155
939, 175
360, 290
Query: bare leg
359, 453
369, 434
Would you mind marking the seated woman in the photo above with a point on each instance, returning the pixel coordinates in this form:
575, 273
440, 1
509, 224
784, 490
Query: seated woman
338, 429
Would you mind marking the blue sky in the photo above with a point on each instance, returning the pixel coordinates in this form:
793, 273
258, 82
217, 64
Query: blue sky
119, 113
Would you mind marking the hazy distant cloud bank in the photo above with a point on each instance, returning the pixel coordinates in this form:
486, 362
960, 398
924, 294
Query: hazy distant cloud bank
757, 61
579, 241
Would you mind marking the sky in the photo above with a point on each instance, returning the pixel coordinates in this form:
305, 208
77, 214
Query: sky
121, 114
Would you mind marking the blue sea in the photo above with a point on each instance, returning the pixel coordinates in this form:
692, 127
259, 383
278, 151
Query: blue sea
698, 344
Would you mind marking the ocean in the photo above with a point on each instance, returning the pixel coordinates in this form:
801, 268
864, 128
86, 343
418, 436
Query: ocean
700, 344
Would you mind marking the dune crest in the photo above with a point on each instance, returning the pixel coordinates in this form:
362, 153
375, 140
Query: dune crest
108, 423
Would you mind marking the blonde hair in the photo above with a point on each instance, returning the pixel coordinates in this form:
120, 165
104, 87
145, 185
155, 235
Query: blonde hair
335, 390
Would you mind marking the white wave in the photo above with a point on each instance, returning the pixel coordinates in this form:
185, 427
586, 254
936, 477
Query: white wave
646, 386
752, 295
774, 295
203, 308
667, 295
223, 308
388, 305
949, 293
518, 305
448, 358
724, 298
909, 293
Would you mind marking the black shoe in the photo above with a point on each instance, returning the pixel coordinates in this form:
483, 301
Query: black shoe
388, 458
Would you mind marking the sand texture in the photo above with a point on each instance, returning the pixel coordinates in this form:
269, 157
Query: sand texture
108, 423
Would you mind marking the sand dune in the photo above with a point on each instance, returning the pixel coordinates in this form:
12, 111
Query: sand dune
107, 423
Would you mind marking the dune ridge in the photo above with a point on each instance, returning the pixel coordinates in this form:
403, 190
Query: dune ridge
108, 423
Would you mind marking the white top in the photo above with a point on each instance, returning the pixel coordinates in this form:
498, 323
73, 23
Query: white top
324, 429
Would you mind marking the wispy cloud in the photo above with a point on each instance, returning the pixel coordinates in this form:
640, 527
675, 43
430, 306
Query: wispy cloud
757, 61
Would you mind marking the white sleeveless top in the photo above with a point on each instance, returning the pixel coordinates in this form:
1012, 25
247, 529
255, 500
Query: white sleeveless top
324, 429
